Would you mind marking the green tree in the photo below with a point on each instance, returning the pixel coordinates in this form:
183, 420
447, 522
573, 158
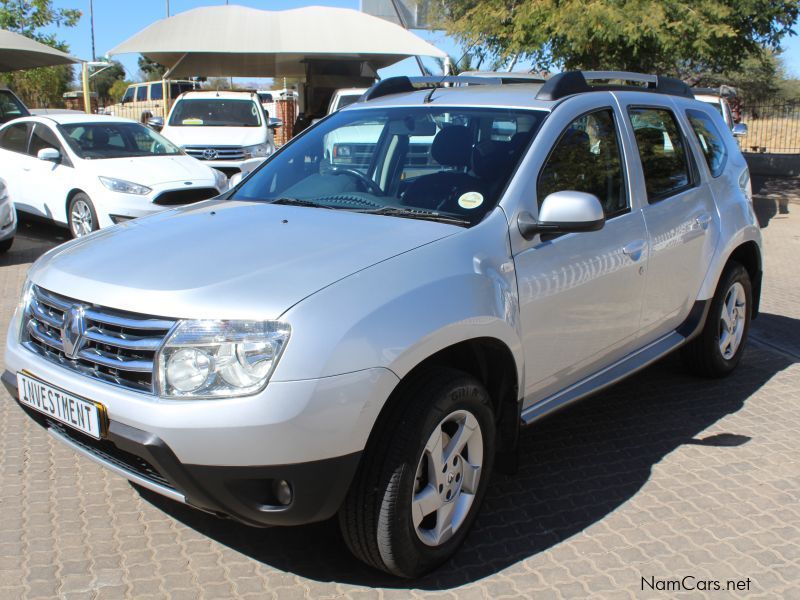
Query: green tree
681, 37
44, 86
117, 89
150, 70
104, 79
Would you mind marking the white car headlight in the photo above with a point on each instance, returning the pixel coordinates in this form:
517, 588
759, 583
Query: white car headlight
219, 359
3, 191
257, 151
124, 187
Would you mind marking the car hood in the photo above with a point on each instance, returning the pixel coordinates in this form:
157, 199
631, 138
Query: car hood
154, 170
225, 259
215, 136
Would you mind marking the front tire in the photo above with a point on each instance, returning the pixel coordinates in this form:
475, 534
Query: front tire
718, 349
81, 216
423, 475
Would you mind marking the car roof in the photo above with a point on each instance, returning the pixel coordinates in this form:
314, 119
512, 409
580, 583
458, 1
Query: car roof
73, 118
518, 95
222, 95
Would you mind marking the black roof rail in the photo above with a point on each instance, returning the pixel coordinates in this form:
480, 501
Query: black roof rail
401, 84
576, 82
725, 91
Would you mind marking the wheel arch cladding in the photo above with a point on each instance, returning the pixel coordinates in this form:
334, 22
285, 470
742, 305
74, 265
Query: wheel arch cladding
491, 362
748, 255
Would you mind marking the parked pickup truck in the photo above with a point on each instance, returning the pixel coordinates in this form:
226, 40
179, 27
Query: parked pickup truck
369, 341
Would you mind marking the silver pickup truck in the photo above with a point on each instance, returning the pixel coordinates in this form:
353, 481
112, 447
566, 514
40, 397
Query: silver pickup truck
368, 339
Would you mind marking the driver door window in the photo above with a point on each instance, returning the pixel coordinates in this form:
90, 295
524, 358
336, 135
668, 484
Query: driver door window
587, 158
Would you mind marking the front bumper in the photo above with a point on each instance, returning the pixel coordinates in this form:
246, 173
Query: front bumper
243, 493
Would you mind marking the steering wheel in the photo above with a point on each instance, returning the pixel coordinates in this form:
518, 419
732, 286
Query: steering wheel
372, 187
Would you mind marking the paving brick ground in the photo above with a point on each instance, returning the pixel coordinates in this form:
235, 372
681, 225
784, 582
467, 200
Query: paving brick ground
663, 476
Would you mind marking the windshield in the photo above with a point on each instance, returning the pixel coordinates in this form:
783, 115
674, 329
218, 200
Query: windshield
116, 140
215, 112
10, 107
427, 162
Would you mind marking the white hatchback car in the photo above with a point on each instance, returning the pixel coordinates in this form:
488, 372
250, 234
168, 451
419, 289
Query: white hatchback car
90, 171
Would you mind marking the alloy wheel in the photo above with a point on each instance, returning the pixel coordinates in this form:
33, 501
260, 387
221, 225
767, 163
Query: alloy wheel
81, 218
447, 478
732, 320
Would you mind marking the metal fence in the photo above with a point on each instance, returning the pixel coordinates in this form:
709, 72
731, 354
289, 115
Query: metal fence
771, 128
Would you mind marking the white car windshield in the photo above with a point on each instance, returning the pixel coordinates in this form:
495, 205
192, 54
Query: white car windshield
438, 163
116, 140
213, 112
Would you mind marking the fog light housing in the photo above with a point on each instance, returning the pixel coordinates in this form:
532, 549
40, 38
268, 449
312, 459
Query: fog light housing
282, 491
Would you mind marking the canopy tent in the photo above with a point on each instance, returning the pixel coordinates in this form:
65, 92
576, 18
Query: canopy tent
236, 41
18, 52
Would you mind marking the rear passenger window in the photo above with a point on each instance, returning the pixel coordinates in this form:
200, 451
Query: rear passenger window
587, 158
662, 150
141, 93
710, 141
15, 137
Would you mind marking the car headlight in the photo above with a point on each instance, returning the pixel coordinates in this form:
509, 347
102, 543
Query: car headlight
124, 187
257, 151
219, 359
3, 191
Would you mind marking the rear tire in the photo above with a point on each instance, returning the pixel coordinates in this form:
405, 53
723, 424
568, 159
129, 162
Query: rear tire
81, 216
409, 488
719, 347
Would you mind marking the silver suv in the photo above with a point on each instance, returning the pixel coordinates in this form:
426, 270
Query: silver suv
367, 334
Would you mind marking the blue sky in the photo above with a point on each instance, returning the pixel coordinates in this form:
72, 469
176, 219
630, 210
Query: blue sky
117, 20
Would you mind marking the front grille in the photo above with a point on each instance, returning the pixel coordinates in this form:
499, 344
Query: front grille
185, 196
108, 452
222, 152
118, 347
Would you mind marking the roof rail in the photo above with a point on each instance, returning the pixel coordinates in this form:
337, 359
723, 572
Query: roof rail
398, 85
576, 82
725, 91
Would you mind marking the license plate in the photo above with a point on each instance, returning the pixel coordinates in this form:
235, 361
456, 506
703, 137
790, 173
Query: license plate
66, 408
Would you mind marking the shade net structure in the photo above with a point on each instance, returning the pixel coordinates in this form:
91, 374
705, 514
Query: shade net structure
18, 52
236, 41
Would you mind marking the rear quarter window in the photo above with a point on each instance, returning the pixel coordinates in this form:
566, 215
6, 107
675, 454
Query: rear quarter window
15, 137
710, 140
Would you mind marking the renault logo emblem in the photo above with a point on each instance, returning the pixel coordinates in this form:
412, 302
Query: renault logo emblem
73, 330
210, 154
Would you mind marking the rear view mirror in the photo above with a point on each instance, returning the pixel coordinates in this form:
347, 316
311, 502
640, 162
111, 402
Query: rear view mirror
155, 123
739, 130
563, 212
49, 154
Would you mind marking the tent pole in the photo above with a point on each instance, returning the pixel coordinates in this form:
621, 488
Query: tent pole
169, 71
87, 101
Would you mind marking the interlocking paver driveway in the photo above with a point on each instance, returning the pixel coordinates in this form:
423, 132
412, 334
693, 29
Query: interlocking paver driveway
661, 477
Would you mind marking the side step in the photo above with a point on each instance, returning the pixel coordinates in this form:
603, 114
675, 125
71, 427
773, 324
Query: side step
602, 379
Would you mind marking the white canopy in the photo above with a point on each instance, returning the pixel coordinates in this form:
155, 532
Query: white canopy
18, 52
237, 41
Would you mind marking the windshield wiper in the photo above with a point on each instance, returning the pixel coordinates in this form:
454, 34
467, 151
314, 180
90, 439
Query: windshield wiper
299, 202
409, 213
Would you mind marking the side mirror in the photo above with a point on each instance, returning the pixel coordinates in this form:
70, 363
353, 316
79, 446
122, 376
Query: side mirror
49, 154
739, 130
563, 212
274, 123
155, 123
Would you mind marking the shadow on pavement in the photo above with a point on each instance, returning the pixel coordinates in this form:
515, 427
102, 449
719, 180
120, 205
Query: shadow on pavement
772, 198
575, 468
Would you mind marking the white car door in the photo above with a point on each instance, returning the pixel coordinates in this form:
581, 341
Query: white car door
580, 293
53, 179
13, 158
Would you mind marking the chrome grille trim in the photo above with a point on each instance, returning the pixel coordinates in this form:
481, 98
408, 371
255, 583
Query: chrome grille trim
119, 347
223, 152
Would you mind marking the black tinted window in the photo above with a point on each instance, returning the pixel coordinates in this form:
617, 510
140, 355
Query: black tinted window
587, 158
43, 137
662, 151
141, 93
15, 137
710, 141
156, 91
10, 107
